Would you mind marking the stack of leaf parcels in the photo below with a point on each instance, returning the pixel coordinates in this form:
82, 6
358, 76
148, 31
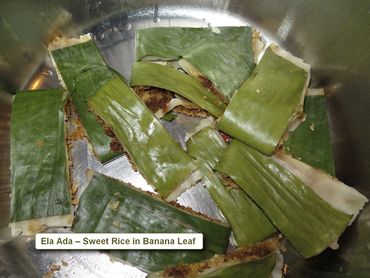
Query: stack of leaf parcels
268, 177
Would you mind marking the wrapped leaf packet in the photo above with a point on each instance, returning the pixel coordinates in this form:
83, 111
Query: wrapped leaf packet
311, 142
248, 223
162, 162
156, 75
223, 55
111, 206
260, 260
340, 196
271, 98
82, 71
310, 223
39, 175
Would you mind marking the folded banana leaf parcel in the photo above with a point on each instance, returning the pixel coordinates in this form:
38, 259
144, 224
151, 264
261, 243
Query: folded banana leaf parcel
153, 151
339, 195
222, 55
40, 195
111, 206
248, 223
269, 100
310, 208
82, 71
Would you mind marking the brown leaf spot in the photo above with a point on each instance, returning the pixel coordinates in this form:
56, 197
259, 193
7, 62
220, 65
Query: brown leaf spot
114, 205
40, 143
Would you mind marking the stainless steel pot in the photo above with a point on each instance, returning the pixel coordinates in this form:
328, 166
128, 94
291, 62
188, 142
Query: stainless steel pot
333, 36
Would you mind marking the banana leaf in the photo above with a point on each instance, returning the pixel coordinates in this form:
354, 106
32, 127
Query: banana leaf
260, 260
162, 162
337, 194
155, 75
262, 108
308, 222
39, 178
223, 54
248, 223
311, 142
111, 206
82, 70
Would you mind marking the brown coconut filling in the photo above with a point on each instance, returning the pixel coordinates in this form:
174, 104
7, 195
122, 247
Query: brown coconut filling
245, 254
158, 99
211, 87
114, 144
72, 136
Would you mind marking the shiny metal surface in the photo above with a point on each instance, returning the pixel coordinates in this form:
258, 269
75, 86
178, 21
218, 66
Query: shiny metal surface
332, 36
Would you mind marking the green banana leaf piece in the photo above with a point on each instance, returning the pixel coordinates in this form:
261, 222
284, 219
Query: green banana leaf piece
39, 177
261, 109
83, 71
307, 221
223, 54
164, 164
169, 117
155, 75
311, 142
111, 206
248, 223
339, 195
260, 260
